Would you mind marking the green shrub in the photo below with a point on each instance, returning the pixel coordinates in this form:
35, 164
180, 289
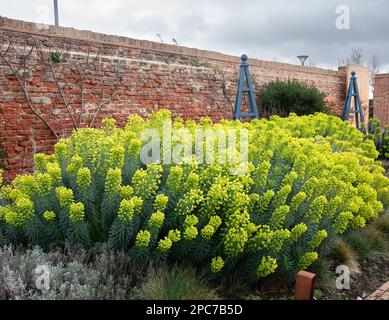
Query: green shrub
98, 274
283, 98
308, 181
175, 283
379, 136
368, 242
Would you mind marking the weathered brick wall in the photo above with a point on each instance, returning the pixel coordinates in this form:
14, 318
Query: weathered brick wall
381, 98
190, 82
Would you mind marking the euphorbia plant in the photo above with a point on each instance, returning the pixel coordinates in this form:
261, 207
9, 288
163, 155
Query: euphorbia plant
308, 180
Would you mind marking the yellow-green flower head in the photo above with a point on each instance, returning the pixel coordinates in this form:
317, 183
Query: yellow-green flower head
13, 219
267, 267
116, 158
146, 183
281, 196
190, 233
65, 197
127, 192
6, 192
164, 245
15, 194
365, 177
174, 180
367, 211
161, 202
254, 200
252, 228
278, 217
45, 183
235, 241
3, 212
318, 238
135, 123
49, 215
22, 213
307, 259
40, 162
265, 200
129, 136
113, 182
84, 179
333, 206
298, 231
358, 222
296, 202
128, 208
377, 206
309, 186
262, 239
25, 208
1, 177
54, 170
367, 193
354, 204
138, 181
192, 181
215, 222
290, 178
51, 158
260, 174
155, 169
156, 220
205, 122
189, 202
238, 219
174, 235
217, 264
108, 125
134, 147
279, 238
207, 232
77, 212
26, 184
60, 150
342, 222
75, 165
191, 221
143, 239
317, 209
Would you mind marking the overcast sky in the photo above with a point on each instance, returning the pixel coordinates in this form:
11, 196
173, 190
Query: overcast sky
266, 29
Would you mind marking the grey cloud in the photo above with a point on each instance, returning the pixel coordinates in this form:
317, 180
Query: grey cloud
264, 29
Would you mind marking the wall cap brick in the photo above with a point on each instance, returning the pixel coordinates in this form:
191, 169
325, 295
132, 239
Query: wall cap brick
37, 29
382, 75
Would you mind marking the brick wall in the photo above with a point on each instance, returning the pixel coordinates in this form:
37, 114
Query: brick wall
190, 82
381, 98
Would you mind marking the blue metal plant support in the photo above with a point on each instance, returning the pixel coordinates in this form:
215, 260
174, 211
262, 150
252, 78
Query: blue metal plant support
353, 94
245, 86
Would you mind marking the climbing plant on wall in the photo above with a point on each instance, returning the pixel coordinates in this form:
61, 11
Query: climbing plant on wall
69, 73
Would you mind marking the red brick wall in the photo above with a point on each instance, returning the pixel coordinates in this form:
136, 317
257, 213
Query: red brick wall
381, 98
190, 82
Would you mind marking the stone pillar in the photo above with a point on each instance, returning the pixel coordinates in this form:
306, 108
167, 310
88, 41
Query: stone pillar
381, 98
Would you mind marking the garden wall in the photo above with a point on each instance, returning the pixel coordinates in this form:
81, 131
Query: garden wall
101, 75
381, 98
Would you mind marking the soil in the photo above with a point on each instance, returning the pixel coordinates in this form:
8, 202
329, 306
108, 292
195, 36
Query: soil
374, 273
